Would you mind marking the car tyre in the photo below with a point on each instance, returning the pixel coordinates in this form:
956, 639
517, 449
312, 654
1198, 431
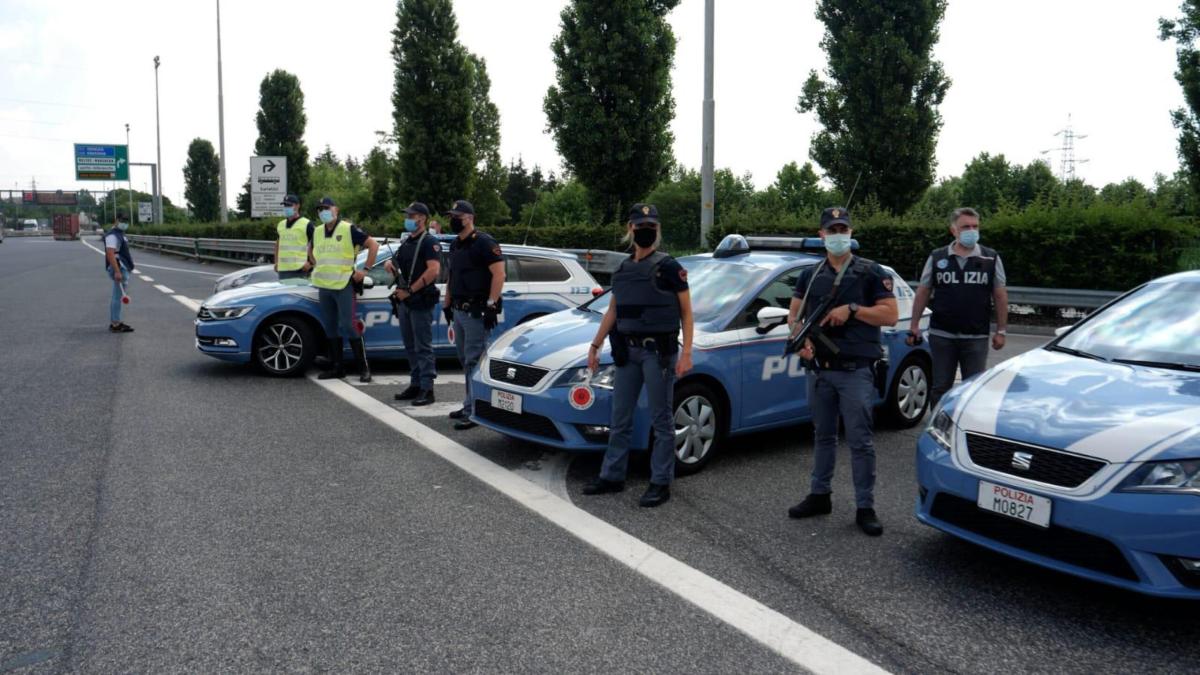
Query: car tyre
908, 396
700, 423
284, 347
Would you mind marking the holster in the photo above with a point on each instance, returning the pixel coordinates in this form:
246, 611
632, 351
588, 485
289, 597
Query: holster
881, 372
619, 346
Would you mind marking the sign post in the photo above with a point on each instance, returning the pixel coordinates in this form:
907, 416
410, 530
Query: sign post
101, 162
268, 186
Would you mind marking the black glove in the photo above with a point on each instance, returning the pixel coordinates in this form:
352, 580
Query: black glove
491, 314
449, 314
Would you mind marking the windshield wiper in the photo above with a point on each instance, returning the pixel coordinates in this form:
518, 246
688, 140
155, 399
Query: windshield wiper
1160, 364
1076, 352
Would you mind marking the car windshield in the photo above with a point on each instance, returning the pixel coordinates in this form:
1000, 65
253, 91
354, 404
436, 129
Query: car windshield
1157, 325
716, 287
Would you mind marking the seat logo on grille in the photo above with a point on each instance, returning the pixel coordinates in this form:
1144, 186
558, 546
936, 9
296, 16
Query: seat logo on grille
511, 373
1022, 461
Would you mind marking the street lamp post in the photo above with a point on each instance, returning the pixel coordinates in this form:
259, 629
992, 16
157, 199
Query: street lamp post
221, 119
130, 215
707, 191
158, 208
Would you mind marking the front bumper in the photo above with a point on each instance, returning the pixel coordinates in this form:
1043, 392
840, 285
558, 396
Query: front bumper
213, 338
1128, 540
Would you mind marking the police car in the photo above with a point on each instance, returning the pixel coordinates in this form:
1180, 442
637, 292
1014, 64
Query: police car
1084, 455
277, 325
533, 383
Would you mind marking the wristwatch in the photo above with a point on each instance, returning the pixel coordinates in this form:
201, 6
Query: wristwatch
853, 309
491, 303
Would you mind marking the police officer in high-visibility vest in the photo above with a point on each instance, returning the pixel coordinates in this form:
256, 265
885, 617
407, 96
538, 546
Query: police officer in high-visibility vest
333, 248
472, 296
843, 382
291, 246
416, 265
963, 279
650, 304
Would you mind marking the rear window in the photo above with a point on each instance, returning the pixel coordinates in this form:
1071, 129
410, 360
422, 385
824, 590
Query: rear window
541, 270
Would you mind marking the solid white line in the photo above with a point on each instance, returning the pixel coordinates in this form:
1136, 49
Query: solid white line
777, 632
164, 289
403, 380
187, 302
435, 410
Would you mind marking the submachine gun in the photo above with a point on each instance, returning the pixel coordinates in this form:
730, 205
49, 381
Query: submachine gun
811, 330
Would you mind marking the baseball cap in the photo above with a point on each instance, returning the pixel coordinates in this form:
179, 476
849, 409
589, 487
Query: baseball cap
462, 207
415, 208
835, 215
291, 200
325, 203
643, 213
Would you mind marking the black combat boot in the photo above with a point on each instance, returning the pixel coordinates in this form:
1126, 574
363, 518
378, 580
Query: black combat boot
360, 355
336, 369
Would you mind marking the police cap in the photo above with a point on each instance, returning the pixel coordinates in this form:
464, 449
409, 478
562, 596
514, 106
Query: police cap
417, 208
643, 213
462, 207
835, 215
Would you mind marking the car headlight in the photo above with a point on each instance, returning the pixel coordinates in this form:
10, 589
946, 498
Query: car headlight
942, 430
239, 282
1172, 477
604, 377
225, 313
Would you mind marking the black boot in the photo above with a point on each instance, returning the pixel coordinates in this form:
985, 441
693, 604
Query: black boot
426, 397
336, 369
868, 522
813, 505
360, 355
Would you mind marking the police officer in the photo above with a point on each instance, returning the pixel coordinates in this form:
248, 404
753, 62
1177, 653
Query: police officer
332, 249
472, 296
843, 382
291, 246
118, 262
417, 263
963, 279
650, 303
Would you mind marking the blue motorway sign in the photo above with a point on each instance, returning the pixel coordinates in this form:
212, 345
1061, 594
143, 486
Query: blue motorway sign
101, 162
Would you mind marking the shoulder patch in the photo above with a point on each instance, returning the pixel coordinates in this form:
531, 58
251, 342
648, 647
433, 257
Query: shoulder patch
943, 264
496, 249
887, 282
437, 248
682, 274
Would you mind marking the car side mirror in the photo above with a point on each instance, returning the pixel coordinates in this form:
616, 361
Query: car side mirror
771, 317
1058, 332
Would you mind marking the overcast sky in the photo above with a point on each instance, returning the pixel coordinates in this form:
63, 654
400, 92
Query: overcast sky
78, 70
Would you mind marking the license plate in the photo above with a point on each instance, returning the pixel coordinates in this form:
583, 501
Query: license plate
505, 400
1014, 503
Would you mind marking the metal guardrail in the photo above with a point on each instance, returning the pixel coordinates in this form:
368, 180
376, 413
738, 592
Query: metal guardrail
1055, 297
236, 251
597, 261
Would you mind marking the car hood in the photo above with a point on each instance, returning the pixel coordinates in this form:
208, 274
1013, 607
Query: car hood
252, 292
244, 272
554, 341
1113, 411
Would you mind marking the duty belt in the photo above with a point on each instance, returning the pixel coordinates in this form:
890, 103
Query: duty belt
842, 364
469, 305
646, 341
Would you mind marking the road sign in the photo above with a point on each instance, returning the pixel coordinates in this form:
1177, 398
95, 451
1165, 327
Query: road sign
268, 186
101, 162
145, 212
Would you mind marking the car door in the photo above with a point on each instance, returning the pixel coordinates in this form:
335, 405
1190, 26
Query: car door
381, 330
773, 386
546, 287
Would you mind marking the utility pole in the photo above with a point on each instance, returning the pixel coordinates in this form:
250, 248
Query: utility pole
707, 192
221, 119
158, 210
1066, 152
130, 173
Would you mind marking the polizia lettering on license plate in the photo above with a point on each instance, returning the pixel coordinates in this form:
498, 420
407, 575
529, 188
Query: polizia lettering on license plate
1014, 503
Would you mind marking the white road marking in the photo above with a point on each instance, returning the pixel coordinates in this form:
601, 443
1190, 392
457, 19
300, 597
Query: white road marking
159, 267
403, 380
164, 289
789, 639
191, 304
548, 472
146, 278
434, 410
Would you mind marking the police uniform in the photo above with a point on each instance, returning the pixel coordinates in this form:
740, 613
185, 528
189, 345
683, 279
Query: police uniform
962, 288
645, 347
115, 239
843, 383
334, 248
470, 284
294, 234
415, 313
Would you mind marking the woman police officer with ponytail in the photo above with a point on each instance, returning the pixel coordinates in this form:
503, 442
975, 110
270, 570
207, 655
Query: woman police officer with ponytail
650, 304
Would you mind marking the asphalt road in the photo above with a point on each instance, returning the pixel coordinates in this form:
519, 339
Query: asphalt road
161, 511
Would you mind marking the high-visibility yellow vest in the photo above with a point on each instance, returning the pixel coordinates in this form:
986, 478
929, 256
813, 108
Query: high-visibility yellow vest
293, 245
334, 257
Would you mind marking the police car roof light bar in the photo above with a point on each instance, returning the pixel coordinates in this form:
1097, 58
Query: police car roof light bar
804, 244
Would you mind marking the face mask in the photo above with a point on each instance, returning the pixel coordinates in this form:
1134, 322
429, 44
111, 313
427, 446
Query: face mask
968, 238
837, 244
410, 224
644, 237
289, 212
122, 226
456, 225
326, 216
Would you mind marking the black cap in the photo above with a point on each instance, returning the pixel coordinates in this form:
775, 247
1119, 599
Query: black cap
291, 200
326, 202
415, 208
643, 213
835, 215
462, 207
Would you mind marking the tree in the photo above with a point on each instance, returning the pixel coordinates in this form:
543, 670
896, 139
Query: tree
879, 108
432, 104
1128, 190
1034, 182
202, 181
987, 183
243, 202
281, 122
519, 189
611, 106
798, 187
1184, 31
379, 180
488, 177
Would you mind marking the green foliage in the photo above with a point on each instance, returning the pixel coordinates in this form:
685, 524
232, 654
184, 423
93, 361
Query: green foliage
202, 181
346, 183
489, 177
611, 106
678, 202
379, 172
518, 189
432, 105
988, 183
568, 205
1184, 31
281, 122
879, 107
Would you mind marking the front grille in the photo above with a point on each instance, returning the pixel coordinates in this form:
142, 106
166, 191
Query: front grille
525, 422
516, 373
1059, 543
1047, 466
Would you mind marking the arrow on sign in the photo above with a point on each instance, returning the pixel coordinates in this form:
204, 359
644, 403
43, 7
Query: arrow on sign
269, 166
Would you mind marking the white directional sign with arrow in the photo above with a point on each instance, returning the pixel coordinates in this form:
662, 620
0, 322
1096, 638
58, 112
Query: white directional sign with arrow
268, 186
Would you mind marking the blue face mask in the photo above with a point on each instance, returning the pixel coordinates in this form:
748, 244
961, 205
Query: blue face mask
326, 216
289, 212
410, 224
122, 226
968, 238
837, 244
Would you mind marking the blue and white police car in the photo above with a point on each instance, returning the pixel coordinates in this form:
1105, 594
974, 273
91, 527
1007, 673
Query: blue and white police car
533, 383
1083, 455
277, 324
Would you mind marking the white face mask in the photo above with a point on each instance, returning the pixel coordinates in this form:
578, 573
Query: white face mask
122, 226
837, 244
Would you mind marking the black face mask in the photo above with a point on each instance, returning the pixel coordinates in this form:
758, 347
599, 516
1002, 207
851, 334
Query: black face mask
456, 225
644, 236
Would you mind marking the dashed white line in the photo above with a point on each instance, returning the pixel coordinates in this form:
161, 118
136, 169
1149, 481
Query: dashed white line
180, 269
187, 302
164, 289
789, 639
147, 279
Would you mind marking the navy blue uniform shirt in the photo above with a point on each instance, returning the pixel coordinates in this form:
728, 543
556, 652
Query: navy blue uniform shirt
469, 261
